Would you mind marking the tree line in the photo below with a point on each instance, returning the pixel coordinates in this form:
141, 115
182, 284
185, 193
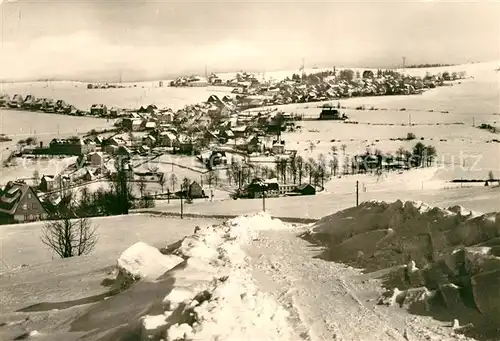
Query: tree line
316, 171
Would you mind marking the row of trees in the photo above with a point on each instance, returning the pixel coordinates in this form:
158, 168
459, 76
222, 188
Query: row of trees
344, 74
317, 170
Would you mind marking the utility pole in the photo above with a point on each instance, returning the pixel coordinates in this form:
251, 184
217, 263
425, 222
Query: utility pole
404, 64
357, 193
473, 121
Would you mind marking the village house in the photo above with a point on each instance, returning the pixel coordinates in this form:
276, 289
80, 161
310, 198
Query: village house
240, 131
210, 137
47, 183
96, 159
132, 124
16, 101
286, 188
167, 139
250, 144
115, 112
98, 110
124, 152
50, 183
165, 116
148, 125
368, 74
226, 134
98, 140
19, 203
111, 145
305, 189
184, 144
278, 147
144, 150
72, 146
195, 191
89, 175
28, 102
150, 141
257, 187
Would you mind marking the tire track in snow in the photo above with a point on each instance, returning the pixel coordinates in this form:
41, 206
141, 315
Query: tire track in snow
324, 306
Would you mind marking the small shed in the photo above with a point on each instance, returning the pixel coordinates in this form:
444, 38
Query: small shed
195, 190
305, 189
96, 158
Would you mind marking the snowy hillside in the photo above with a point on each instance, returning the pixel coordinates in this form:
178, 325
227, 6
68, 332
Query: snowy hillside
253, 278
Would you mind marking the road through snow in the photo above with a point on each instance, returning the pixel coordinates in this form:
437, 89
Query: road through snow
327, 300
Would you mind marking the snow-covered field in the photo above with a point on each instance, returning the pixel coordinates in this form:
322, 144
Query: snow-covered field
24, 168
481, 199
20, 243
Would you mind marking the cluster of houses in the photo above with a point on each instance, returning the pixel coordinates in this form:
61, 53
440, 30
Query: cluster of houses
190, 81
91, 86
31, 103
272, 188
322, 86
48, 105
213, 122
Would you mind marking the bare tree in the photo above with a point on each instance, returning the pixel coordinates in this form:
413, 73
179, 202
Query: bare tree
36, 178
69, 238
343, 147
300, 168
311, 168
229, 175
334, 150
400, 153
292, 167
141, 184
216, 177
210, 177
185, 185
162, 181
311, 146
345, 166
334, 165
173, 181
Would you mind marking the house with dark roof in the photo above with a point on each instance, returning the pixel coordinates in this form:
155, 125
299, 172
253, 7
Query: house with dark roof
98, 110
19, 203
71, 146
305, 189
47, 183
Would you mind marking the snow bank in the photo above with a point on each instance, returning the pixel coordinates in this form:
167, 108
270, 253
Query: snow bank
390, 234
214, 296
143, 262
453, 252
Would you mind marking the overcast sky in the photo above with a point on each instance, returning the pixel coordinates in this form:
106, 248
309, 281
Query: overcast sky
147, 39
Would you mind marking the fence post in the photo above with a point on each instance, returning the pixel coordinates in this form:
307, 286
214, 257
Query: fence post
357, 193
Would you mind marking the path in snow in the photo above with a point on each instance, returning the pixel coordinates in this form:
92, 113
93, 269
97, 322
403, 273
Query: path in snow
324, 300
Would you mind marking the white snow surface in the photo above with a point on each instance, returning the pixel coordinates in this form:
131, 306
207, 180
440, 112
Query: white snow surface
146, 262
214, 295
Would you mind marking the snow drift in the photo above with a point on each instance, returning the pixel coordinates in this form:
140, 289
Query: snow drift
143, 262
448, 255
213, 295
